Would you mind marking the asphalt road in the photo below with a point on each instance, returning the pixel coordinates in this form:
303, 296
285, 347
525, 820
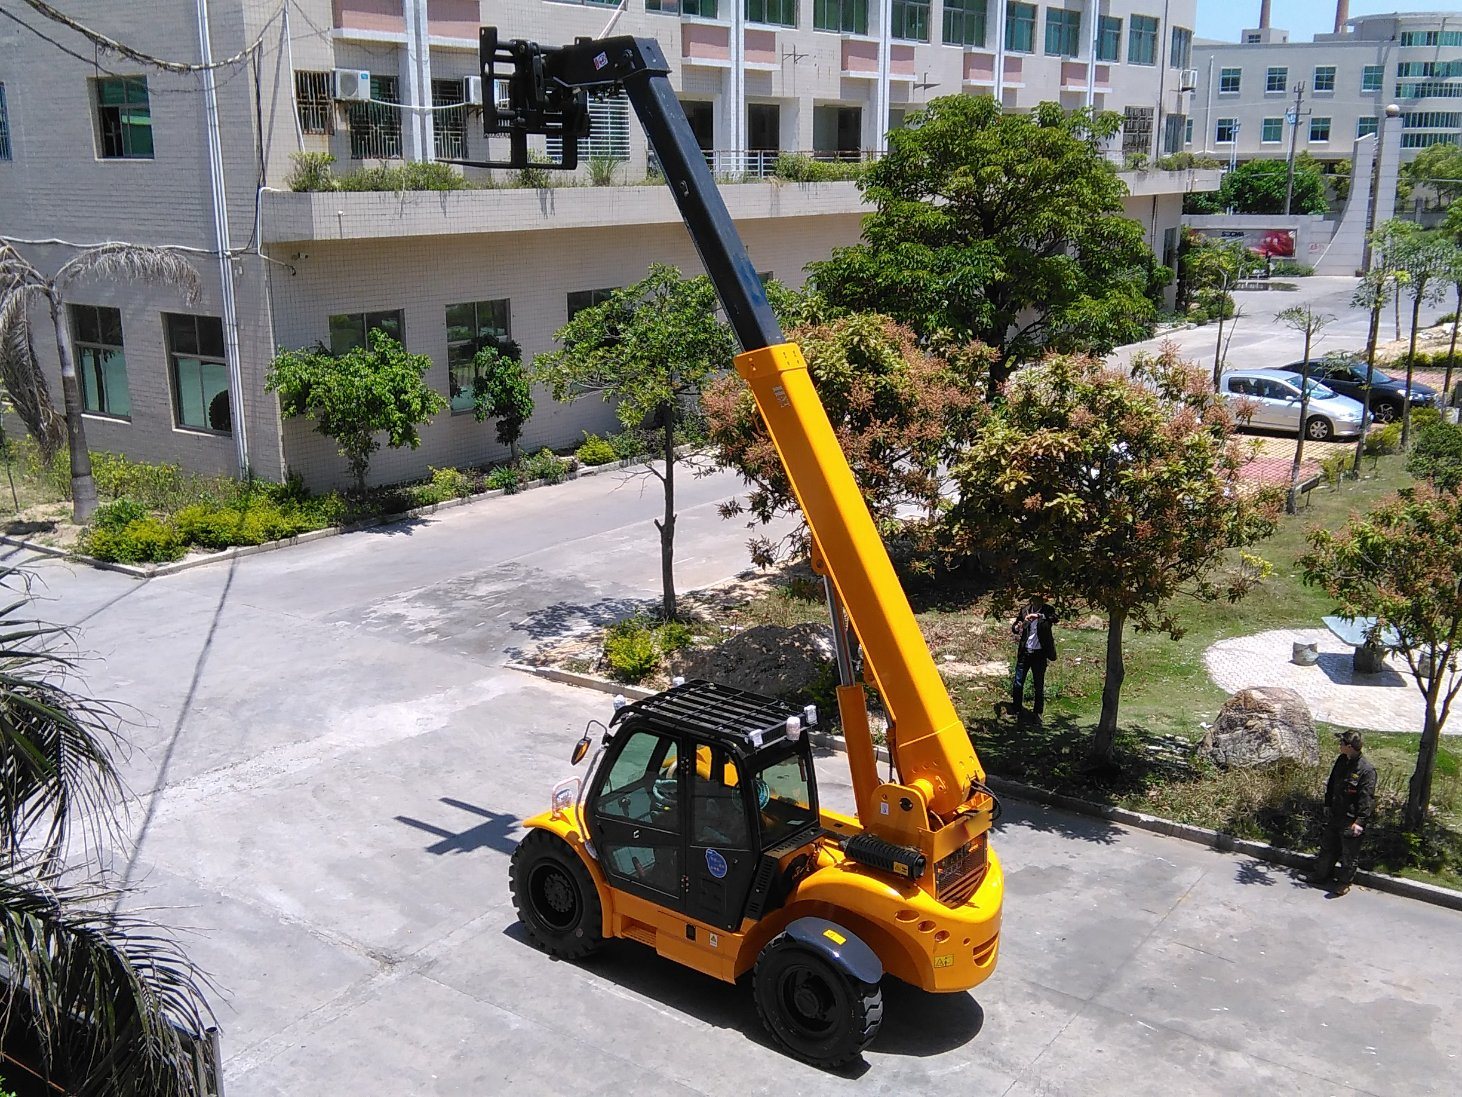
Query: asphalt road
331, 761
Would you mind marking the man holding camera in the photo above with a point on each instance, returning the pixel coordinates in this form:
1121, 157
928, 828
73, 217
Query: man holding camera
1034, 648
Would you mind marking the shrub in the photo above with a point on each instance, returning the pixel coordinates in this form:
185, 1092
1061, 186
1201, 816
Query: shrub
544, 465
795, 167
403, 177
1383, 441
595, 451
1437, 455
142, 541
159, 487
445, 484
504, 478
117, 514
634, 443
533, 175
601, 170
631, 655
1334, 469
673, 636
1291, 268
1183, 161
251, 521
311, 171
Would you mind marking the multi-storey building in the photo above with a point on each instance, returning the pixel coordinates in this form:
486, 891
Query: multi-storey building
96, 146
1261, 94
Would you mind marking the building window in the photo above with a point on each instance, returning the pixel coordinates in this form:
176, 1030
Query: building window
200, 372
910, 20
781, 13
1020, 28
669, 7
449, 119
1142, 40
1229, 81
349, 330
1188, 132
1276, 78
470, 327
1427, 140
1431, 120
842, 16
1137, 129
1225, 131
1174, 128
965, 22
1365, 125
1109, 38
1413, 69
96, 336
583, 299
1251, 38
1180, 55
1063, 33
4, 126
1370, 77
1429, 89
314, 102
1431, 38
124, 118
1324, 78
375, 127
1271, 131
1319, 130
706, 9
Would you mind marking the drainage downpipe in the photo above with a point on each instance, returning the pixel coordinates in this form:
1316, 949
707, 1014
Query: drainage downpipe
221, 239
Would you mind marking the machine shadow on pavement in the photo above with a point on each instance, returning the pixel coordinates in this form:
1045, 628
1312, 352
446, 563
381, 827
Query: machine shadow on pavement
497, 833
915, 1023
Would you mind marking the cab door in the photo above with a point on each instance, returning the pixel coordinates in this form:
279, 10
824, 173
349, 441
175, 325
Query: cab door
720, 839
636, 816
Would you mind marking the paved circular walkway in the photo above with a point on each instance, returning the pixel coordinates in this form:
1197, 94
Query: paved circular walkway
1388, 701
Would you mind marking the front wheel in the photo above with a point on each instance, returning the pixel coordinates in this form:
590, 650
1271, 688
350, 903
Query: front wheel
1318, 429
1385, 412
811, 1007
555, 896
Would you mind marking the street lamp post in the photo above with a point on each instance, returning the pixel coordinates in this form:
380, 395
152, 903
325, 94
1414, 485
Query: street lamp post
1392, 111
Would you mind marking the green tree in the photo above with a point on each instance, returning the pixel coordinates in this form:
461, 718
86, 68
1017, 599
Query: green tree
1258, 186
355, 398
649, 349
502, 391
1120, 492
110, 1002
23, 285
1212, 267
1374, 290
1400, 564
1452, 275
1005, 229
1437, 455
1423, 257
1302, 318
899, 412
1438, 167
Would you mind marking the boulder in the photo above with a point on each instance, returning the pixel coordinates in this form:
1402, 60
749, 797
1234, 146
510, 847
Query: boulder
1261, 726
774, 660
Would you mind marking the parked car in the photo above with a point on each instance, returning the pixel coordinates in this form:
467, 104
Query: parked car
1388, 394
1274, 396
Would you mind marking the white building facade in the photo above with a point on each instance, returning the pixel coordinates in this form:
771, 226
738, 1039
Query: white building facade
96, 146
1261, 94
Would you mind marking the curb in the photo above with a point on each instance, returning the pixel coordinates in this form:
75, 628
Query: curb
1214, 839
153, 571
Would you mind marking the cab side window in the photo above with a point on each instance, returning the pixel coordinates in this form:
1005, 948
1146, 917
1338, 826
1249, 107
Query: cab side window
642, 786
718, 811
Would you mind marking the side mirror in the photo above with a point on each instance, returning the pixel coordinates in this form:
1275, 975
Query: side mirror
581, 748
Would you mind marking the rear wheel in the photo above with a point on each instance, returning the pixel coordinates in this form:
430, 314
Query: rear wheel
1385, 412
814, 1009
555, 896
1318, 429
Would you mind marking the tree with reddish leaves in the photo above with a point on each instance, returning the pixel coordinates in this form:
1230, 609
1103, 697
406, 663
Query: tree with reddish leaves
1401, 564
1114, 491
899, 413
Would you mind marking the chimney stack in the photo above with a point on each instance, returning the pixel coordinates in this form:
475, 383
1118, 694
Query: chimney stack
1264, 14
1342, 15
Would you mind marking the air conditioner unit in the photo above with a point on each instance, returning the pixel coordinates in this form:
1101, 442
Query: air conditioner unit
353, 85
1188, 80
472, 90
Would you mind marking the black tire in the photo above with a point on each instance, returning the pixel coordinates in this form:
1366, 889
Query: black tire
815, 1010
555, 896
1318, 429
1385, 412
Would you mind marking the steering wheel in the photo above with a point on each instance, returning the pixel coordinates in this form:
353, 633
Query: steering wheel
663, 793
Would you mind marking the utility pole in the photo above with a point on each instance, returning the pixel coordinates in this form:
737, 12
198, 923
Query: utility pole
1295, 114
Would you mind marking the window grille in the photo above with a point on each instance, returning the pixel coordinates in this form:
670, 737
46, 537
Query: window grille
1137, 129
313, 100
375, 127
608, 131
449, 121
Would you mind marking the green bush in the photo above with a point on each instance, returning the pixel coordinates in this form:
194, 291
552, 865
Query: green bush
673, 636
1437, 455
1291, 268
445, 484
796, 167
1184, 161
601, 170
533, 175
545, 466
1334, 469
251, 521
311, 171
118, 514
595, 451
1383, 441
402, 177
143, 541
504, 478
629, 443
631, 650
158, 486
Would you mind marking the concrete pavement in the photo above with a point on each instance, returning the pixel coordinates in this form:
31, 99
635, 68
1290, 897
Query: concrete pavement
332, 761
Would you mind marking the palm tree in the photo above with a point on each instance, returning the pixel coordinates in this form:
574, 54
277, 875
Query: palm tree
21, 284
96, 1001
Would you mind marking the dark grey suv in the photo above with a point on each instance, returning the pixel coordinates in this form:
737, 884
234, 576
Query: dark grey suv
1388, 394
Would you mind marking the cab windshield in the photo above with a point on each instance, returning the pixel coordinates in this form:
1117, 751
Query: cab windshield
784, 797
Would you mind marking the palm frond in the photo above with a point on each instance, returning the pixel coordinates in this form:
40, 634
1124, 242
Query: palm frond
108, 1002
56, 745
20, 372
136, 263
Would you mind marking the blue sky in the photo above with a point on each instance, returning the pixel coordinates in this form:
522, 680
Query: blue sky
1223, 19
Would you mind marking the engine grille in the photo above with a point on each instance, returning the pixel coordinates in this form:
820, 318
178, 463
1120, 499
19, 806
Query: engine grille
958, 876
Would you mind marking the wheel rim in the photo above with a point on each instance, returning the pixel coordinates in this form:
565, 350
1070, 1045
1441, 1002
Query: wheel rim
553, 894
1385, 413
809, 1002
1319, 430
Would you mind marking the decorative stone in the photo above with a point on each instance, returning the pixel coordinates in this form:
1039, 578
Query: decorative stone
1259, 727
1305, 655
774, 660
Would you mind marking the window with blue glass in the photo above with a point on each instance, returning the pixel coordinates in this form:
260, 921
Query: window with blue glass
910, 20
965, 22
1142, 40
1020, 28
1109, 38
1063, 33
